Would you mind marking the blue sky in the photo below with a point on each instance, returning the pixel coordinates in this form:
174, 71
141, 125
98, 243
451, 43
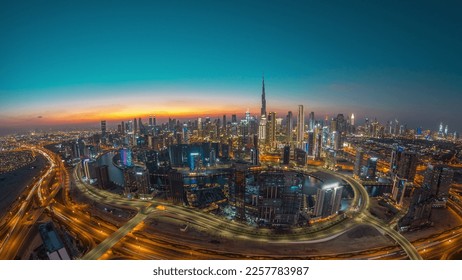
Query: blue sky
385, 59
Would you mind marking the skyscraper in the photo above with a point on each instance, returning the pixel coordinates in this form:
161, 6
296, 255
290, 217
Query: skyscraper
403, 163
263, 99
399, 188
328, 200
300, 126
103, 132
289, 127
358, 162
438, 179
262, 130
312, 122
371, 168
272, 130
286, 155
102, 175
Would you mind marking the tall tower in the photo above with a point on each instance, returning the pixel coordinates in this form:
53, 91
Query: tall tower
103, 131
272, 131
289, 127
263, 99
300, 126
312, 121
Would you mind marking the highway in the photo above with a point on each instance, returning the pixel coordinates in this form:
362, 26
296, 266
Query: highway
109, 242
18, 226
364, 216
133, 240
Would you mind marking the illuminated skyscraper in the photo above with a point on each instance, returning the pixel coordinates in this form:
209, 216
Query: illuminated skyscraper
358, 162
399, 188
263, 99
312, 121
103, 132
438, 179
371, 168
289, 127
300, 126
254, 156
262, 130
352, 120
286, 155
102, 174
440, 130
126, 157
328, 200
136, 180
272, 130
403, 163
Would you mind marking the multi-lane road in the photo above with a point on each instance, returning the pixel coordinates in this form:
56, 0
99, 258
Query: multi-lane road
131, 239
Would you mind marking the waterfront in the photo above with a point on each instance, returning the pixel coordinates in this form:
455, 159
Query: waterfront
115, 174
14, 182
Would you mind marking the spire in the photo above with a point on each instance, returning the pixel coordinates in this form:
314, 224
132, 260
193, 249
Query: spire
263, 98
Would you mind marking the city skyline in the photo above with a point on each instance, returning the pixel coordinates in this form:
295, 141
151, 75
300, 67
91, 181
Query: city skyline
88, 61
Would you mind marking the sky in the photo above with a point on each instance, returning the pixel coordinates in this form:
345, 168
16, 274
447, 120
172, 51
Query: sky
79, 62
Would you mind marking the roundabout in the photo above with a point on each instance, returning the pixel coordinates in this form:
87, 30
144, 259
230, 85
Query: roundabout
223, 229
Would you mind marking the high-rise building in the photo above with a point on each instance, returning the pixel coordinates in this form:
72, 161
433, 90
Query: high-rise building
438, 178
336, 140
300, 157
152, 161
419, 211
286, 155
233, 118
254, 155
318, 144
403, 163
358, 162
89, 167
341, 123
407, 166
135, 126
289, 127
126, 157
399, 188
272, 130
239, 191
177, 191
328, 200
352, 120
103, 132
312, 121
150, 121
262, 130
102, 175
136, 180
263, 99
310, 143
370, 168
300, 126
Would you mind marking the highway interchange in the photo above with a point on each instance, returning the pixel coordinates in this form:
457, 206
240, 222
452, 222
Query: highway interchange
109, 237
